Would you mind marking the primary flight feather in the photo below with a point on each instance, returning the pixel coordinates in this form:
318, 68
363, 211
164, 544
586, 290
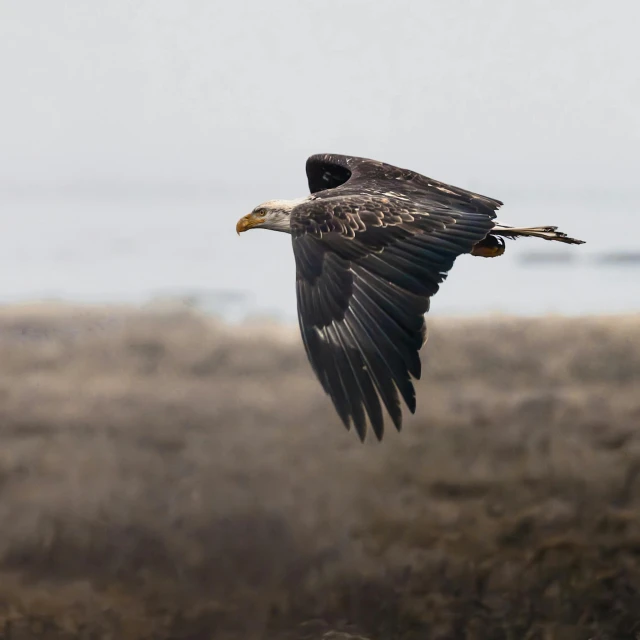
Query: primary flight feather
372, 243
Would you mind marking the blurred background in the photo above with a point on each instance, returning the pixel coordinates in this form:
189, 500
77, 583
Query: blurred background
134, 136
169, 466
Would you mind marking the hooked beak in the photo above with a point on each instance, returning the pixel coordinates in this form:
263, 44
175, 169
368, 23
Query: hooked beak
248, 222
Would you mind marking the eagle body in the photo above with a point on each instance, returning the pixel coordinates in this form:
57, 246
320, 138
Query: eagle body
372, 244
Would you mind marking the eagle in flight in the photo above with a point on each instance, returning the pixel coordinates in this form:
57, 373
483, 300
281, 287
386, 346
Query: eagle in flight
372, 243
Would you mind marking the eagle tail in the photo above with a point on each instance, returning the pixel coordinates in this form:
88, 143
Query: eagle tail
546, 233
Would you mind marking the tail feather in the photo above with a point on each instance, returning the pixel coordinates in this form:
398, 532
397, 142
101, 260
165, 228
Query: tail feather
546, 233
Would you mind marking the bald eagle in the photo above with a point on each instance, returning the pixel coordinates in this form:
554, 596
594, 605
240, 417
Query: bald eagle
372, 243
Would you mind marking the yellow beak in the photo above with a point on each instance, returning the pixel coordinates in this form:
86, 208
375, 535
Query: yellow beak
247, 222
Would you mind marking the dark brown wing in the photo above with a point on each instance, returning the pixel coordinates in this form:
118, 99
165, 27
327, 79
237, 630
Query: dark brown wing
370, 251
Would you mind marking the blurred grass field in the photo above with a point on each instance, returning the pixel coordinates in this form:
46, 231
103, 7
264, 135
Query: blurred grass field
164, 475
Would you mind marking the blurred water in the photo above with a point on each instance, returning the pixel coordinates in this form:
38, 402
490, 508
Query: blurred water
132, 247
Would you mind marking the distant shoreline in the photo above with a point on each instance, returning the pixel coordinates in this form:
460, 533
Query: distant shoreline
170, 306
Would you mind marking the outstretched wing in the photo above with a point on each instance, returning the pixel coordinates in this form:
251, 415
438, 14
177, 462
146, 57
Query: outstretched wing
371, 247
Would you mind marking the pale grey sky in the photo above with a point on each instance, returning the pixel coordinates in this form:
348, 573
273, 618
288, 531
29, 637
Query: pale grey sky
489, 95
202, 109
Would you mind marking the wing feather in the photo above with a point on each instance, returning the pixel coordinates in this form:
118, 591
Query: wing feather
386, 369
401, 362
361, 379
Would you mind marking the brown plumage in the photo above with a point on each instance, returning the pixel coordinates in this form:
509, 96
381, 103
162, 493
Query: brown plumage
372, 244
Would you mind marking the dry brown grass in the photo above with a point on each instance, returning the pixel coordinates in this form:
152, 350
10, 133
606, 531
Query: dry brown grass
165, 476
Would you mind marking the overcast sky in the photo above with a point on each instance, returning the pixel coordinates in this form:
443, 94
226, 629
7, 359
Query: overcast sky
490, 94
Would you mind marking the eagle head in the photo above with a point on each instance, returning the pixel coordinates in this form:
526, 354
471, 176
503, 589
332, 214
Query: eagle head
273, 214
